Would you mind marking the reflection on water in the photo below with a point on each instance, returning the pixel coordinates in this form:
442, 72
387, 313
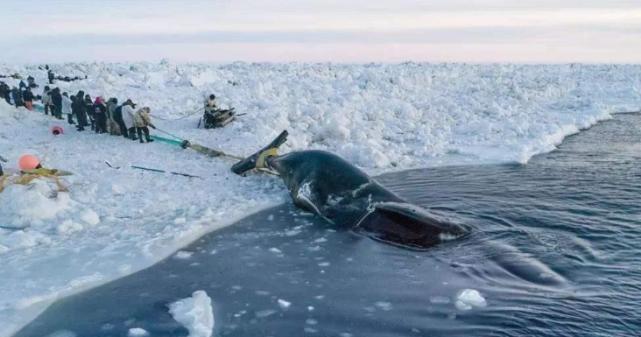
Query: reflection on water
553, 250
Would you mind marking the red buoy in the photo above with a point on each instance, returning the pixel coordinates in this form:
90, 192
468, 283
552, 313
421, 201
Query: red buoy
57, 130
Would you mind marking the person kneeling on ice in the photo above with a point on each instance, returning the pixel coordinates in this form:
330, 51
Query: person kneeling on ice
327, 185
210, 110
214, 116
30, 170
142, 121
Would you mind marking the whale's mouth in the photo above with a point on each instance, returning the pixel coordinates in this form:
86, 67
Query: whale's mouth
406, 225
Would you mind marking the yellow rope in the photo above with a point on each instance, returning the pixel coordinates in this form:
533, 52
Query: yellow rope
260, 162
26, 177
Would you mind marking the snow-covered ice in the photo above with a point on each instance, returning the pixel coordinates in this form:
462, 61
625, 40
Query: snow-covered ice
385, 306
283, 303
137, 332
33, 205
183, 255
468, 299
275, 250
113, 222
195, 313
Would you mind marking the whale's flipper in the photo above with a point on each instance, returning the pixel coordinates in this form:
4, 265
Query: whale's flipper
308, 198
257, 160
407, 225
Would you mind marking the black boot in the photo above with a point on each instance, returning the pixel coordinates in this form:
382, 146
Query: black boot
145, 131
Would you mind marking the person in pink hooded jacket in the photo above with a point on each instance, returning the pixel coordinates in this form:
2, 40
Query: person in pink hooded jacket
100, 115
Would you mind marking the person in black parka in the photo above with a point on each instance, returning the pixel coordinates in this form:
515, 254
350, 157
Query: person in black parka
56, 101
78, 108
16, 95
117, 116
27, 98
5, 92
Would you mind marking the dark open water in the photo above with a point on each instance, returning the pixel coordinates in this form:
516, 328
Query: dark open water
555, 250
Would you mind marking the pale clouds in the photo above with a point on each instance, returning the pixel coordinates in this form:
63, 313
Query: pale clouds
342, 31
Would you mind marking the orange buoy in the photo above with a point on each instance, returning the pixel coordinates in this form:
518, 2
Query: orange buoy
28, 162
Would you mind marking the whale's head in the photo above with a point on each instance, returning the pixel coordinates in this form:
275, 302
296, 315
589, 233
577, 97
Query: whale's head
407, 225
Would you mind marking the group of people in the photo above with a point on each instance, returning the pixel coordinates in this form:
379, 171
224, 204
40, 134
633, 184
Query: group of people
52, 77
18, 96
102, 116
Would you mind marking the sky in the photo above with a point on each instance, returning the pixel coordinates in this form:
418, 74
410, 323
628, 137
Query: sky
356, 31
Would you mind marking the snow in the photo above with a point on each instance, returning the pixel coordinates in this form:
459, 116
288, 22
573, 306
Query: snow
63, 333
32, 205
385, 306
183, 255
114, 222
275, 250
137, 332
195, 313
90, 217
283, 304
468, 299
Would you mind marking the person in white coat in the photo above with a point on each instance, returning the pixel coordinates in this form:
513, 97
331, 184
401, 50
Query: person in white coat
46, 100
66, 108
128, 113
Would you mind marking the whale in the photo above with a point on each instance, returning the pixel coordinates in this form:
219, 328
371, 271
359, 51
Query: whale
329, 186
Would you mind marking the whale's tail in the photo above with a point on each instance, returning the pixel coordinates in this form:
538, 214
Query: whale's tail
257, 160
408, 226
